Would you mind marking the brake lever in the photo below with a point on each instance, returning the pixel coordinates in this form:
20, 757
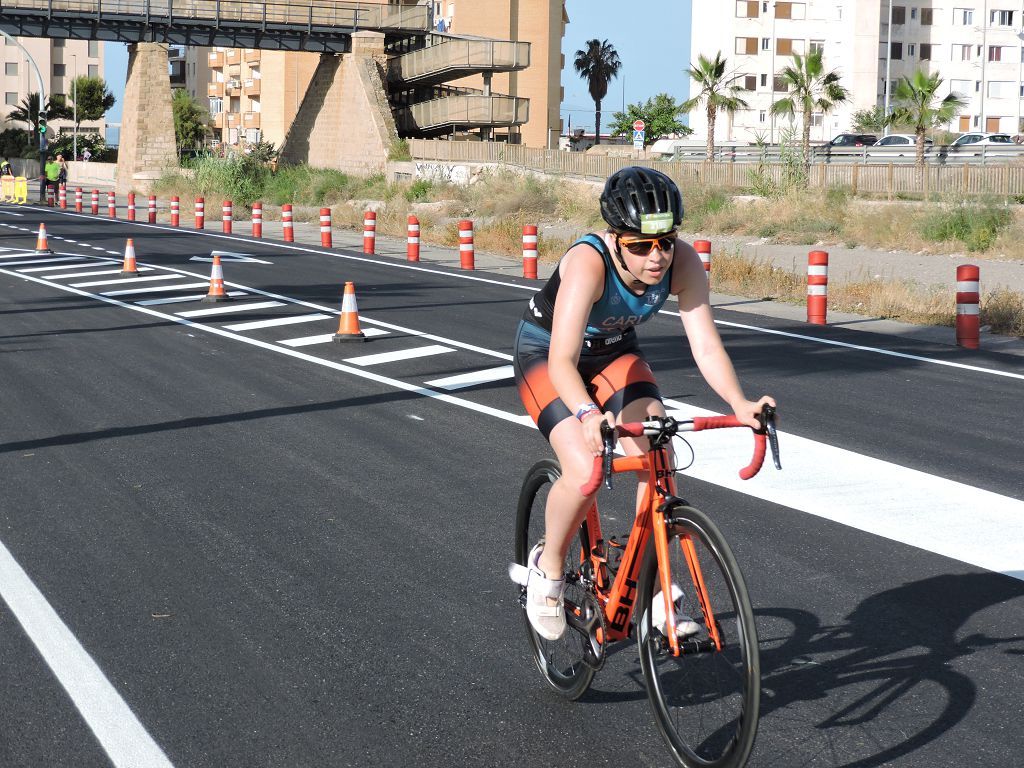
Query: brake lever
608, 435
767, 420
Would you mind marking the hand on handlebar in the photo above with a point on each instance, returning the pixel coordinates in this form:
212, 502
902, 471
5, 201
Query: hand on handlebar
749, 412
592, 432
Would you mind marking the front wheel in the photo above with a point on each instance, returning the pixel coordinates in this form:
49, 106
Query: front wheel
705, 701
569, 663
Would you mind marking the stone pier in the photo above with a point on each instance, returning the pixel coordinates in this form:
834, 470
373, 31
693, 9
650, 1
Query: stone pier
345, 121
147, 144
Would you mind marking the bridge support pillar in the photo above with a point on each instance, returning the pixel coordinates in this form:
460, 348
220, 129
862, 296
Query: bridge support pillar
345, 120
147, 145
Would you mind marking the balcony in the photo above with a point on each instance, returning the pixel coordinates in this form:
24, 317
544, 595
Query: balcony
217, 120
233, 56
215, 89
231, 119
252, 55
215, 60
251, 119
233, 87
252, 86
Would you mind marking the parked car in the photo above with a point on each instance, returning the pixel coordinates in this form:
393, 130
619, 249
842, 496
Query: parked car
982, 138
852, 140
900, 140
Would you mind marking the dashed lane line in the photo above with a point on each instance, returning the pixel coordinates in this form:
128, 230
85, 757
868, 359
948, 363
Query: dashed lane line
155, 289
225, 309
85, 265
273, 322
474, 378
401, 354
124, 280
93, 274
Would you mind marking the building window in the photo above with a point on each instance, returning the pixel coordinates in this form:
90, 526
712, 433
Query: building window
216, 106
764, 6
764, 81
94, 70
1000, 89
750, 82
960, 86
817, 119
926, 17
11, 68
911, 49
765, 44
746, 45
94, 49
913, 13
59, 70
784, 47
783, 10
896, 51
11, 98
1001, 18
746, 9
961, 52
963, 16
761, 116
926, 51
995, 53
977, 86
899, 14
779, 85
816, 45
58, 42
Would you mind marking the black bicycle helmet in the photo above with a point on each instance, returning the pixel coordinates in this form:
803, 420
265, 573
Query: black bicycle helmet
638, 199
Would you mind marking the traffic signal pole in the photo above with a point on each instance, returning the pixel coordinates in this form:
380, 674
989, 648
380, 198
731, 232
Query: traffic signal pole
42, 116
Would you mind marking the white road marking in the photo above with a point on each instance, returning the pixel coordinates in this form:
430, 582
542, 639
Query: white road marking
925, 511
464, 380
157, 289
19, 253
124, 280
403, 354
117, 729
47, 260
83, 265
181, 299
11, 213
94, 274
292, 320
226, 309
306, 341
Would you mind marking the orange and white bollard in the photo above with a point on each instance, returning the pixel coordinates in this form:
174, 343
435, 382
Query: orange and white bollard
530, 251
111, 205
348, 324
42, 244
175, 211
128, 269
95, 206
703, 249
287, 225
227, 216
817, 287
131, 206
326, 241
467, 256
78, 199
152, 209
50, 202
216, 292
62, 196
412, 247
369, 232
968, 311
200, 213
257, 219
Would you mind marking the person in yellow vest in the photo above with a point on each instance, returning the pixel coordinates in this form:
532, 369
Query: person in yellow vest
5, 168
52, 170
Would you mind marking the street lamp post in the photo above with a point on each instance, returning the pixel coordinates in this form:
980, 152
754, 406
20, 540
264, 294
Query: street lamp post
888, 66
1020, 74
74, 97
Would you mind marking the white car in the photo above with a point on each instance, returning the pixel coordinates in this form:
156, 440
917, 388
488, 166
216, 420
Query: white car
982, 138
899, 140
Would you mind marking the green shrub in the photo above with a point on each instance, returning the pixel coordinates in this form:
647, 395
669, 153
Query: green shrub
399, 150
975, 224
419, 190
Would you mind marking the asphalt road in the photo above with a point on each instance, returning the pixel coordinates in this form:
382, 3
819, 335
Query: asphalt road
280, 556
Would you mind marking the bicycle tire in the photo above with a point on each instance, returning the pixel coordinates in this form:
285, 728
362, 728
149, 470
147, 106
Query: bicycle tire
705, 703
561, 661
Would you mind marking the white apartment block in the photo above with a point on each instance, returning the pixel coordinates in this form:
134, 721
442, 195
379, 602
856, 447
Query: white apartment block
59, 62
976, 47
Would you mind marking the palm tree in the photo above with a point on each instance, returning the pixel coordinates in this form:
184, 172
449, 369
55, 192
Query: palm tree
598, 63
715, 92
28, 110
915, 97
811, 89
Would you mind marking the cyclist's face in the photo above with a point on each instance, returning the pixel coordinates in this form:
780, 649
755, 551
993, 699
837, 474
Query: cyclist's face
647, 257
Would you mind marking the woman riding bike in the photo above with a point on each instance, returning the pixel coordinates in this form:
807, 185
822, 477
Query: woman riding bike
578, 362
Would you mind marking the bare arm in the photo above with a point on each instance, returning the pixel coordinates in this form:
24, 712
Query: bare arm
689, 283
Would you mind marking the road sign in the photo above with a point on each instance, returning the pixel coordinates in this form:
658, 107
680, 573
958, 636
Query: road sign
639, 125
638, 138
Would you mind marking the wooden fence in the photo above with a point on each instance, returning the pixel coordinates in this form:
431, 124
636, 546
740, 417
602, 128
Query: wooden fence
890, 179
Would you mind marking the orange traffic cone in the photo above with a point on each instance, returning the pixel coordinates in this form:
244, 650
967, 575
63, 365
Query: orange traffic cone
348, 327
216, 283
129, 269
41, 245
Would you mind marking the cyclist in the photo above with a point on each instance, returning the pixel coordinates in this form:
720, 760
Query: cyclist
578, 362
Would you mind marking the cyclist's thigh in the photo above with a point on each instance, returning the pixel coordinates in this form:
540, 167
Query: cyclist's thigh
530, 364
626, 387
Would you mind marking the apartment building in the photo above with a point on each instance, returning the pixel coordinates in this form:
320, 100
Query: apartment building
976, 47
59, 62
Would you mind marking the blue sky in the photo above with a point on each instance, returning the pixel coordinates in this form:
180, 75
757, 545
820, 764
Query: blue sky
653, 45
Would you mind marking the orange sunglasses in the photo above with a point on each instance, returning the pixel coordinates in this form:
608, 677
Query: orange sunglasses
641, 246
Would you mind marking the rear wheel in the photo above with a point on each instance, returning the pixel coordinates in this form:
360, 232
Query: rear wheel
705, 701
569, 663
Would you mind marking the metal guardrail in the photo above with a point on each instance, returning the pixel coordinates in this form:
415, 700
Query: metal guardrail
904, 155
469, 110
890, 179
437, 63
310, 13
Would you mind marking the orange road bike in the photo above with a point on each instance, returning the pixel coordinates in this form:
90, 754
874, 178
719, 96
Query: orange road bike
703, 685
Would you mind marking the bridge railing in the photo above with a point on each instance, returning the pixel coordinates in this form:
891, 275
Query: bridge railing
288, 12
465, 109
466, 54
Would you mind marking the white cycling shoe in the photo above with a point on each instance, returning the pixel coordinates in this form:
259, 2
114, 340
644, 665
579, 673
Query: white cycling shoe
548, 621
685, 626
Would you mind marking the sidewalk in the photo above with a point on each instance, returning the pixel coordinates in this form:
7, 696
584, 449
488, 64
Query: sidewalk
844, 264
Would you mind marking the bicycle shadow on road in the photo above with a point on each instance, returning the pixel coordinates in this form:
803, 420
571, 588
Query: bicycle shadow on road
884, 684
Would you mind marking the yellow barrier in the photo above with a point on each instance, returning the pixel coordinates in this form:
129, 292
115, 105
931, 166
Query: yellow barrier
21, 190
7, 189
